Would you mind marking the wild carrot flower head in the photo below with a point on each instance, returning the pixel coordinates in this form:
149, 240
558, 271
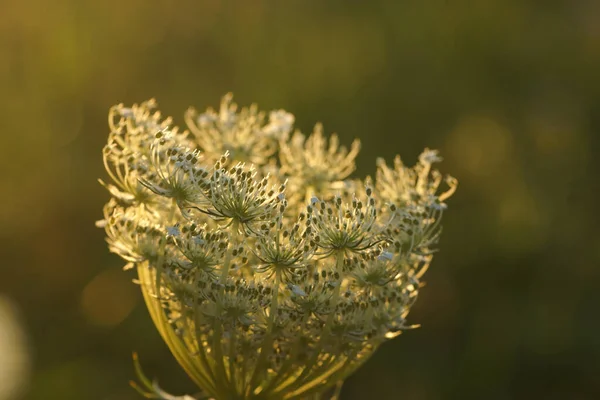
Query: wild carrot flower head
267, 271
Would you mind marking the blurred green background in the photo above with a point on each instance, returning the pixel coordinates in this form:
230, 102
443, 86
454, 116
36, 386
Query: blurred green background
508, 90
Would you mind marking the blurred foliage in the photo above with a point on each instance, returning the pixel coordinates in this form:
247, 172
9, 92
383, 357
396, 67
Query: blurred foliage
508, 90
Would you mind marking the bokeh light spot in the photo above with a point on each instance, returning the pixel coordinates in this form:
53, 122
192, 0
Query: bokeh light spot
14, 354
481, 146
109, 298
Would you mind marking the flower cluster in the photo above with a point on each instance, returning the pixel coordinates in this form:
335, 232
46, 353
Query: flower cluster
261, 294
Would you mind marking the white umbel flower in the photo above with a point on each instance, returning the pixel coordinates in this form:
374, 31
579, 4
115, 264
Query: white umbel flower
267, 270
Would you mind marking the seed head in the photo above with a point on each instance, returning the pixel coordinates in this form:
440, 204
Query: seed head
269, 273
315, 165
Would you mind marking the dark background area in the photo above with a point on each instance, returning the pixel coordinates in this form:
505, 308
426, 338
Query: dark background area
507, 90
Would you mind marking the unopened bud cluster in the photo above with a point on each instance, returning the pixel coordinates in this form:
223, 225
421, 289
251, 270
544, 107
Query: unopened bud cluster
268, 272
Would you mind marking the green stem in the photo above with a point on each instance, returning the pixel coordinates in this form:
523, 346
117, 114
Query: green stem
298, 382
180, 352
225, 380
267, 345
282, 375
217, 344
